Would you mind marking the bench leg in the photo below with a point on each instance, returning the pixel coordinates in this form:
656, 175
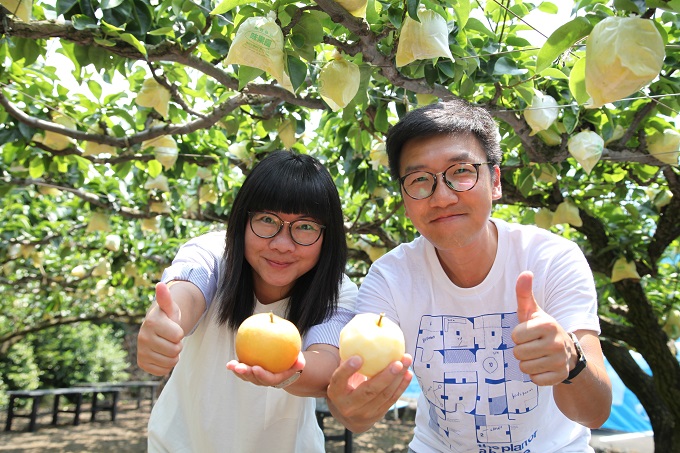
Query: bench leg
55, 409
34, 413
10, 413
114, 405
94, 406
79, 403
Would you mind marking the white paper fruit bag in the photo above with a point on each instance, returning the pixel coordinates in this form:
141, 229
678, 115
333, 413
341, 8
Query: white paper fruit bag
339, 82
623, 54
259, 44
428, 38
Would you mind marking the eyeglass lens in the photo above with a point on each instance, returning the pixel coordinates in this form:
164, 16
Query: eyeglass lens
459, 177
267, 225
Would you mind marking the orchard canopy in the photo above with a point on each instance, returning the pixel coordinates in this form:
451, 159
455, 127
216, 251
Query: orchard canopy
127, 126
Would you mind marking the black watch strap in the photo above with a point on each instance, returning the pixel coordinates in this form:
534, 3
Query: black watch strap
581, 362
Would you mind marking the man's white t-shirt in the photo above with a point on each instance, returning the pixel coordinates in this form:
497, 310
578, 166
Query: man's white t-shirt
204, 407
474, 396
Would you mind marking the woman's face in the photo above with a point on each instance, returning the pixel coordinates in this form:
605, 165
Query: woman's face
279, 261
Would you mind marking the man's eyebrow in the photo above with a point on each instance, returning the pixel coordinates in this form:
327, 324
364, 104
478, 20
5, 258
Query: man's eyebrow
464, 156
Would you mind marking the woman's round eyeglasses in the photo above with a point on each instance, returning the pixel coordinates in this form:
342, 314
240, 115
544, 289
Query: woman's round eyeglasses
267, 225
459, 177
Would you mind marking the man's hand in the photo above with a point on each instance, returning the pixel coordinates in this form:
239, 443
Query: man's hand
544, 350
160, 337
357, 402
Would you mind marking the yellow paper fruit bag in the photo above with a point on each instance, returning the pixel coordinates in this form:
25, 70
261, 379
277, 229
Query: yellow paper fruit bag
586, 147
164, 149
154, 95
624, 269
55, 140
623, 54
20, 8
665, 147
356, 8
428, 38
567, 212
339, 82
259, 44
541, 113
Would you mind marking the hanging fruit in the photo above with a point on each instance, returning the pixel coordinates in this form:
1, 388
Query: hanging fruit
339, 82
428, 38
586, 147
623, 54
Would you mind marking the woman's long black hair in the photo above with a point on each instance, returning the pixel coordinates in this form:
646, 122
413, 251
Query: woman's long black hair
290, 183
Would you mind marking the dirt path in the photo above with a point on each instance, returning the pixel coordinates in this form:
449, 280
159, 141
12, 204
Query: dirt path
128, 434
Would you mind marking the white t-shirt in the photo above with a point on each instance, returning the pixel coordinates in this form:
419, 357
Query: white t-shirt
205, 408
475, 398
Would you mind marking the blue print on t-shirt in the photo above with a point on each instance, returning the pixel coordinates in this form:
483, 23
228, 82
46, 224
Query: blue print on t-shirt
470, 377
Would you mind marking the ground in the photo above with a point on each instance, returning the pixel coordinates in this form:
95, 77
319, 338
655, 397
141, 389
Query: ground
128, 434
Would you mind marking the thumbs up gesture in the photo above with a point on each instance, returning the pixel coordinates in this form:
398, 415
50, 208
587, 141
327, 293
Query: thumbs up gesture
541, 344
160, 337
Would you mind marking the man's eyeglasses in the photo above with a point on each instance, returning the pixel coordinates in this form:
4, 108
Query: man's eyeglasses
459, 177
267, 225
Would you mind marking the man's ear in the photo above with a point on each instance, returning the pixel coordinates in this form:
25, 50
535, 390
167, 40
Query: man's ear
496, 190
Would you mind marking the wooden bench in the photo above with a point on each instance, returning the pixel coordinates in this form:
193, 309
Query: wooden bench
36, 397
152, 386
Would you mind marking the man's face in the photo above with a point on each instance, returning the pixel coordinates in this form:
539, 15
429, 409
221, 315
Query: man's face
450, 219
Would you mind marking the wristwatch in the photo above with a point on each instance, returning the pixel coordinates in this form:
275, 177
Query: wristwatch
288, 381
581, 362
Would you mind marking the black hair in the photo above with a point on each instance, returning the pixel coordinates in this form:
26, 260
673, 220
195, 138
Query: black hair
291, 183
451, 117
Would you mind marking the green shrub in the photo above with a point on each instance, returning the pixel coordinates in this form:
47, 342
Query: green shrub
78, 353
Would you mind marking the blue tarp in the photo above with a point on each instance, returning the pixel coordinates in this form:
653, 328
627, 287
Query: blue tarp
627, 413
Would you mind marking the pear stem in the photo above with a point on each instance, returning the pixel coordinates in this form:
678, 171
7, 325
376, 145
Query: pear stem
379, 323
271, 317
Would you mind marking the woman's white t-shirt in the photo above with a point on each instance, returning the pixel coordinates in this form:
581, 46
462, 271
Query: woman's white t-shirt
204, 407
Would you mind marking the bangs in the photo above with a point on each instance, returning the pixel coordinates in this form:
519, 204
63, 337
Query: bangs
292, 194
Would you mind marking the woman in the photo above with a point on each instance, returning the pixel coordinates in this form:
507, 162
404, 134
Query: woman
284, 253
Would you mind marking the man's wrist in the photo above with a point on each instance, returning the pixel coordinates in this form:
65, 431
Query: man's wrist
581, 362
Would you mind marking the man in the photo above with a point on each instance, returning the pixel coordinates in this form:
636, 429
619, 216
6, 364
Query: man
498, 318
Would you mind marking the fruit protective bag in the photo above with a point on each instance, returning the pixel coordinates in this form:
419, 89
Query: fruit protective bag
623, 54
586, 147
428, 38
259, 44
339, 82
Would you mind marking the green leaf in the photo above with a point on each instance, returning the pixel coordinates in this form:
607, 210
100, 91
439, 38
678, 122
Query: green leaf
297, 71
247, 74
577, 82
380, 123
163, 31
64, 6
154, 168
554, 73
505, 65
526, 181
549, 8
108, 4
228, 5
95, 88
104, 42
83, 22
412, 7
462, 10
36, 168
134, 42
561, 40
